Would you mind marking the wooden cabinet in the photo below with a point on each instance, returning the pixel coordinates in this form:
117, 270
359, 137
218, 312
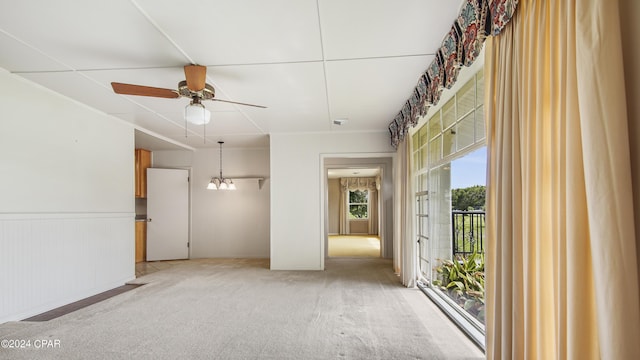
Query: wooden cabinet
143, 161
141, 241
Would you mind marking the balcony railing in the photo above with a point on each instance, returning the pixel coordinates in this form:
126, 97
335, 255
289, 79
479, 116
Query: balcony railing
468, 229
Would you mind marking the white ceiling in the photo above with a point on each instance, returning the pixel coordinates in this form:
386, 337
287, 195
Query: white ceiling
308, 61
353, 172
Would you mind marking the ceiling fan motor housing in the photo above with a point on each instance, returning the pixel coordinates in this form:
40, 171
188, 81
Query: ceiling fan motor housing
207, 93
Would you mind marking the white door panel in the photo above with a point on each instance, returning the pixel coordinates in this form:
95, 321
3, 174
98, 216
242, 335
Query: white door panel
167, 214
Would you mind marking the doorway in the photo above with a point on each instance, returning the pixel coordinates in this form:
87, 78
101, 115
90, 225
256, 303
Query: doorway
357, 206
353, 212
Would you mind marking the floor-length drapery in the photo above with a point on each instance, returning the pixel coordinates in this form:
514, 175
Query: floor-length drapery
343, 225
561, 259
403, 219
373, 211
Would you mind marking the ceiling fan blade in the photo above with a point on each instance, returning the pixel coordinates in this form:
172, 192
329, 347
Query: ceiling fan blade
196, 76
129, 89
239, 103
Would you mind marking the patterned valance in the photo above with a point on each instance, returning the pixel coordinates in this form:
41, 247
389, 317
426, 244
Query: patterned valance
351, 184
461, 46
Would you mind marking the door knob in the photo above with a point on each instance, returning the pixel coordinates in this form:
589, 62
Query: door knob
149, 220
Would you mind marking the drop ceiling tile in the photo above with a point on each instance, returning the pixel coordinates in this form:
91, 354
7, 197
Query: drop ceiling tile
242, 31
227, 122
370, 93
378, 28
81, 88
294, 94
150, 113
159, 124
90, 34
17, 56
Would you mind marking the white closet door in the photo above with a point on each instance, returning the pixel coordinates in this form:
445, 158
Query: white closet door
167, 214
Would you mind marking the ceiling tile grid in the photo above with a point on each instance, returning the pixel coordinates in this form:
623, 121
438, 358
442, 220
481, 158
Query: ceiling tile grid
308, 61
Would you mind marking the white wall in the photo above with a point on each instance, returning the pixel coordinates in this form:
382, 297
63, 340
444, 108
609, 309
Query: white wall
67, 205
225, 224
296, 172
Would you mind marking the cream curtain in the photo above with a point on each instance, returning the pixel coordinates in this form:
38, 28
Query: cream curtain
343, 225
373, 211
561, 260
404, 239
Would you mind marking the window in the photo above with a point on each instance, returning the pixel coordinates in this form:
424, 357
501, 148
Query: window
358, 204
447, 149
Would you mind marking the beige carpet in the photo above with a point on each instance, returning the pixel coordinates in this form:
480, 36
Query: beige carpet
354, 246
239, 309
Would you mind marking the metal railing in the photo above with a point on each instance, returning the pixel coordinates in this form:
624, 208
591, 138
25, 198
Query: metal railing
468, 230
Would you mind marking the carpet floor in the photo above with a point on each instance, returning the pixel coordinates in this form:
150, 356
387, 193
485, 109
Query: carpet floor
239, 309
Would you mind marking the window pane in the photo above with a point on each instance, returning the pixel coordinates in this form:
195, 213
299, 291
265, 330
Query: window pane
358, 212
434, 150
415, 141
449, 113
417, 161
466, 98
424, 184
359, 196
480, 88
423, 135
425, 158
424, 208
424, 227
449, 142
464, 131
435, 127
480, 123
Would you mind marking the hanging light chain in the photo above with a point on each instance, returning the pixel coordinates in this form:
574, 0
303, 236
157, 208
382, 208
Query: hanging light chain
221, 142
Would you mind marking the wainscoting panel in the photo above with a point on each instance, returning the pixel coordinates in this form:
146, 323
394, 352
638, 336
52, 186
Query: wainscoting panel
49, 260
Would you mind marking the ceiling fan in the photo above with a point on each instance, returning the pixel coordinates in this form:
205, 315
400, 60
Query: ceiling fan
194, 88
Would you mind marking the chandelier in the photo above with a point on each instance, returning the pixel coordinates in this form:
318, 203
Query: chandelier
220, 183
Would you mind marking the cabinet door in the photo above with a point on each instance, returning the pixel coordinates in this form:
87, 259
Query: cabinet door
141, 241
143, 161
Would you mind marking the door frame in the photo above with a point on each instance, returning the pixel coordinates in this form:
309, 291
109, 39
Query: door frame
385, 216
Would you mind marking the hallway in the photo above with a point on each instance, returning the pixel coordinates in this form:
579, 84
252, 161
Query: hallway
354, 246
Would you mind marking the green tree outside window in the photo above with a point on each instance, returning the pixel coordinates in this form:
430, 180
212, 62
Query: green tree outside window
359, 204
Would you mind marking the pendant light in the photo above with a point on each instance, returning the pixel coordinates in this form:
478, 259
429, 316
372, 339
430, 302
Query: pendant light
220, 183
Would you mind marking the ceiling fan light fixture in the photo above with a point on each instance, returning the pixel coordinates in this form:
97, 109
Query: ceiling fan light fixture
194, 87
197, 114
